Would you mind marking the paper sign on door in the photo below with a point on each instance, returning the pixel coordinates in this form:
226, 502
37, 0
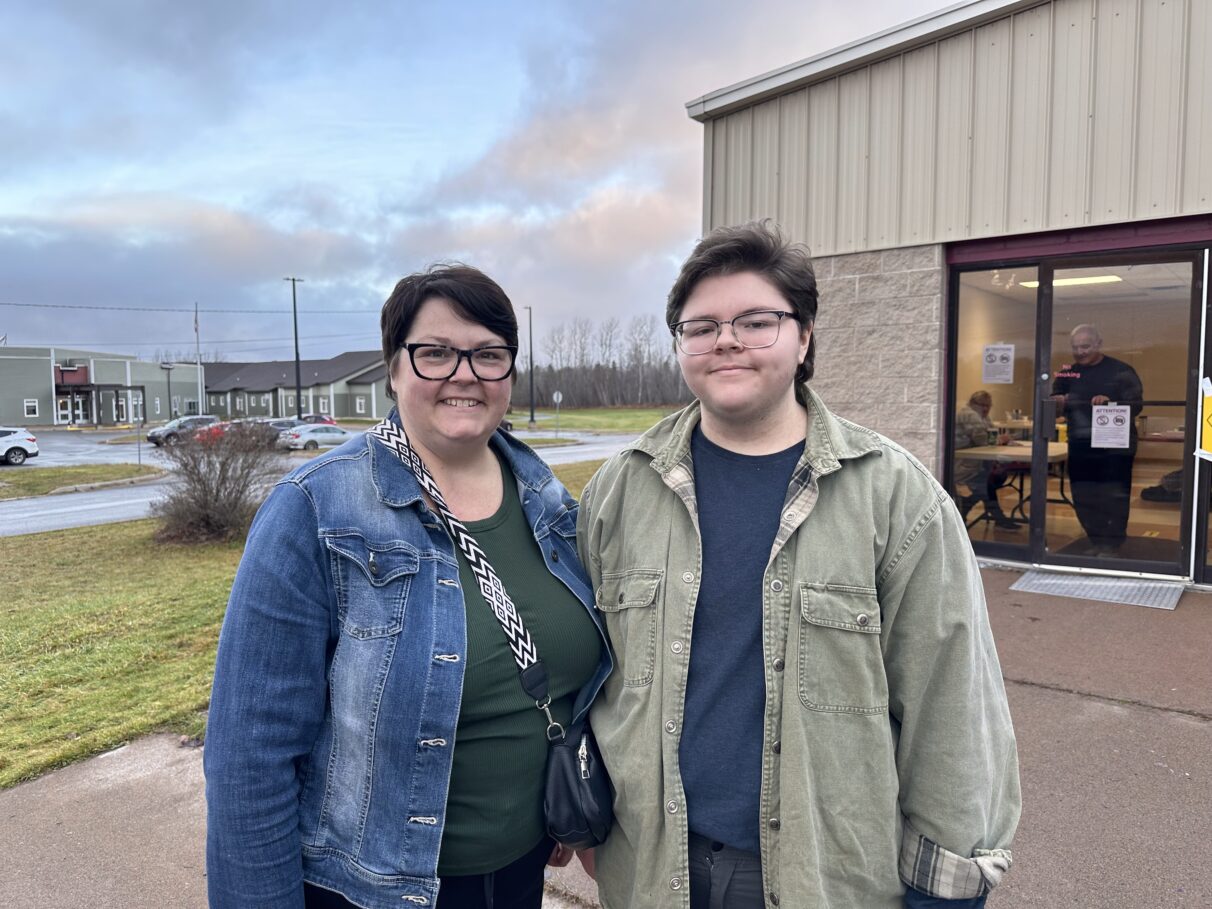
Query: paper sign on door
1111, 426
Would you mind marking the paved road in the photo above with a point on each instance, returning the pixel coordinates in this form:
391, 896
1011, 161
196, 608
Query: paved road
128, 503
62, 448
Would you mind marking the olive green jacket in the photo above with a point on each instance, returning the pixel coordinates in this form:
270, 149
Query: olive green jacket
888, 752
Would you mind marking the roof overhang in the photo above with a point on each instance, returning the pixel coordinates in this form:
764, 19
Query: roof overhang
951, 20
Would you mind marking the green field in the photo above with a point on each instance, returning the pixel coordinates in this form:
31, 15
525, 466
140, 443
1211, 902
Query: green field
106, 635
623, 420
16, 482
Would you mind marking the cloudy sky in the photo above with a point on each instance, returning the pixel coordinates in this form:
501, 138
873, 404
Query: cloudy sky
159, 154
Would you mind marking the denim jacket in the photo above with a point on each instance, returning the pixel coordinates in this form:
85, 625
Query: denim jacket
888, 755
339, 677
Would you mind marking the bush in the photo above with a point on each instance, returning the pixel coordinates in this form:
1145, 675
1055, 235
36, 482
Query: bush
219, 482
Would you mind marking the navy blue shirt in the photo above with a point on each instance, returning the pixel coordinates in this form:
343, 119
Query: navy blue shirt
740, 499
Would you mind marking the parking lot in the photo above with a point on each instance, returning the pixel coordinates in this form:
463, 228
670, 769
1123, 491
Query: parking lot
65, 448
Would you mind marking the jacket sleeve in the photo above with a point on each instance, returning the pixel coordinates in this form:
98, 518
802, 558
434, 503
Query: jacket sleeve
956, 756
267, 706
587, 536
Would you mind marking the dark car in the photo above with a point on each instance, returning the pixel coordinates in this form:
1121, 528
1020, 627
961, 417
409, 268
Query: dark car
174, 431
319, 418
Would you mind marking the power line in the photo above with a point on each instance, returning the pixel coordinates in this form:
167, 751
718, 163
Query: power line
359, 334
246, 312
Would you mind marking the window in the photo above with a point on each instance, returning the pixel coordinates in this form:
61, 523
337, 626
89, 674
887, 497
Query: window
120, 410
264, 400
176, 405
31, 407
359, 404
212, 400
157, 402
191, 406
323, 405
290, 400
239, 403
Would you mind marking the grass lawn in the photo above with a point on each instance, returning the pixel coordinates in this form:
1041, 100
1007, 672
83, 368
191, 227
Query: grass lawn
546, 441
627, 420
106, 635
36, 481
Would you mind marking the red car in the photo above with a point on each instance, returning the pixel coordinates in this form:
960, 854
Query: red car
319, 418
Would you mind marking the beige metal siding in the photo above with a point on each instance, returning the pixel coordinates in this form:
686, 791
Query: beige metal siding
919, 127
1196, 168
1069, 113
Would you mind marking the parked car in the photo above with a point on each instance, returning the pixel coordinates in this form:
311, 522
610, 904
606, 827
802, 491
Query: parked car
311, 437
319, 418
17, 444
174, 431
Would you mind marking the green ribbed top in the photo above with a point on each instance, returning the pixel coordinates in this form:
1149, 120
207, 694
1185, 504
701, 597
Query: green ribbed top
494, 811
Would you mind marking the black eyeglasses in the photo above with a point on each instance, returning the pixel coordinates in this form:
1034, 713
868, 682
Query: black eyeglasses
437, 361
752, 329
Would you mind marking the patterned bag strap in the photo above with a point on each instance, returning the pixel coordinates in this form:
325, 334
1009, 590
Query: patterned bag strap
531, 671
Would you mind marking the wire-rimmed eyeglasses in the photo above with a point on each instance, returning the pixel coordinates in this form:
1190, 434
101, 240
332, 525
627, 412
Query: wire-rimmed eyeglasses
437, 361
752, 329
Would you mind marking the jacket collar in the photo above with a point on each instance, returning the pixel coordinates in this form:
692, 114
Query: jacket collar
397, 487
829, 440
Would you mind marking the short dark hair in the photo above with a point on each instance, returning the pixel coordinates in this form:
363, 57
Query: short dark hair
474, 296
758, 248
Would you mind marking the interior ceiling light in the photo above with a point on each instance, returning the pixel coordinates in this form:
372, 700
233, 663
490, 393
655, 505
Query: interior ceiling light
1070, 282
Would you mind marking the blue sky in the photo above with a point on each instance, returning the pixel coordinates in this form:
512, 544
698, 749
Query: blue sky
157, 154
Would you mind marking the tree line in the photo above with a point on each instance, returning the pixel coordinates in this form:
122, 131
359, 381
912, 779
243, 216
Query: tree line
607, 364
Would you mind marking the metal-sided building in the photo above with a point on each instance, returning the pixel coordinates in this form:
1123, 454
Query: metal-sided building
333, 387
55, 386
975, 185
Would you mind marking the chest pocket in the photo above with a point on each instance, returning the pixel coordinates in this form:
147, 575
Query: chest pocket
628, 600
372, 581
841, 665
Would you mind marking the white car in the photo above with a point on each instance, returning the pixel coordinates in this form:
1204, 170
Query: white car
16, 445
314, 435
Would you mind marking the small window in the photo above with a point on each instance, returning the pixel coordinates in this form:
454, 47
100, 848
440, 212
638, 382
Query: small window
323, 405
359, 404
212, 400
264, 400
157, 401
31, 407
239, 404
290, 400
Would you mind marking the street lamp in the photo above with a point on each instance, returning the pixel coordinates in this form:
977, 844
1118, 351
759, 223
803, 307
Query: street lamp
168, 374
294, 309
530, 368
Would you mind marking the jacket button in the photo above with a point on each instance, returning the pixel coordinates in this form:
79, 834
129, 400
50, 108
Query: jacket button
675, 884
776, 585
373, 565
671, 806
779, 664
774, 899
776, 746
775, 823
622, 597
671, 726
555, 556
676, 647
863, 618
688, 577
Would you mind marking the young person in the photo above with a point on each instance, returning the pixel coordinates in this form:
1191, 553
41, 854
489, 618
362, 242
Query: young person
807, 709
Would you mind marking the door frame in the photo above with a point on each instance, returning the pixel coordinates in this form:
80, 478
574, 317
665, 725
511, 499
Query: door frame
1192, 563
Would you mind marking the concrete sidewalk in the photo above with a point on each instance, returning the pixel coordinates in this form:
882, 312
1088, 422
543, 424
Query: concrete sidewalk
1112, 706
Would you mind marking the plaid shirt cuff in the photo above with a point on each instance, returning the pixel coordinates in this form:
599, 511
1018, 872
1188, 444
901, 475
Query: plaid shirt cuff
928, 867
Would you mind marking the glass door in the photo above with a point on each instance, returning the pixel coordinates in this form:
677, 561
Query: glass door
1112, 432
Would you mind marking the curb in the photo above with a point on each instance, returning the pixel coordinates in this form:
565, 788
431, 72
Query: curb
87, 487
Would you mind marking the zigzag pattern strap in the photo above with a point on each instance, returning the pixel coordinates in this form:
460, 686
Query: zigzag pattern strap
491, 588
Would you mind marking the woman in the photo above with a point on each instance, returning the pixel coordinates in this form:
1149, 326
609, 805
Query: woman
369, 734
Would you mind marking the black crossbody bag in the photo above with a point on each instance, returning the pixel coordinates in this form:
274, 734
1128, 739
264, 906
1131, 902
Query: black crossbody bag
577, 797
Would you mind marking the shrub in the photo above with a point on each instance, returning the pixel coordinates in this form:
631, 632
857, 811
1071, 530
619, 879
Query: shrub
219, 482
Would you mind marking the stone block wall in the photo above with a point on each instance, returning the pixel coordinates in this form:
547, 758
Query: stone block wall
880, 336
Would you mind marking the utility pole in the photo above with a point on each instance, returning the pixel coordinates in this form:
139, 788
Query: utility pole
198, 354
294, 308
530, 356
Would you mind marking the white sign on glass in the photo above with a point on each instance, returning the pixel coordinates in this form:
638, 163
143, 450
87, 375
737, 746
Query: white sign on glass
997, 365
1111, 426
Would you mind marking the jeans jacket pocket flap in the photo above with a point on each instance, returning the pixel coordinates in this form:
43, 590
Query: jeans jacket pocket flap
381, 563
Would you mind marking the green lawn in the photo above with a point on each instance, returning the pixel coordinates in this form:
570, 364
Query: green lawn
627, 420
16, 482
106, 635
